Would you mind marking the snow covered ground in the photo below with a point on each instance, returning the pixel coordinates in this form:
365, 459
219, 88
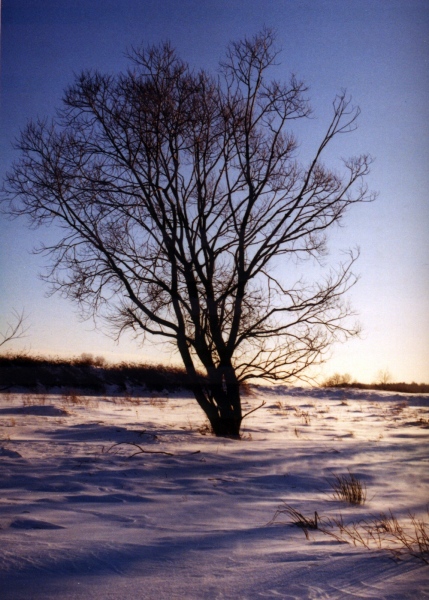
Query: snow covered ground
171, 513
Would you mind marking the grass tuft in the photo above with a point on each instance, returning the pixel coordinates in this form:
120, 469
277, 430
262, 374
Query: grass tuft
348, 488
297, 519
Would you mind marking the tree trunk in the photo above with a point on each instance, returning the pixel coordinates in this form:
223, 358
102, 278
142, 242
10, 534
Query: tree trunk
225, 415
218, 395
226, 426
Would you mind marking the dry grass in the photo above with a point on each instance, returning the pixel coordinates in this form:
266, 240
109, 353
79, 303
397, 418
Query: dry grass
385, 532
304, 415
348, 488
298, 519
205, 429
33, 400
73, 398
125, 400
399, 407
158, 401
382, 532
281, 406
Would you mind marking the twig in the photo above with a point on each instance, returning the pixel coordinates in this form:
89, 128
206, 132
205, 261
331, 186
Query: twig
253, 410
14, 331
143, 451
140, 449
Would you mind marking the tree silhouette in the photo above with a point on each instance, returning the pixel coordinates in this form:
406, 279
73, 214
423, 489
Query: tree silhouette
185, 212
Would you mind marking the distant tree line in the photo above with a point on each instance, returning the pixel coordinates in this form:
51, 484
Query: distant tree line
345, 381
88, 373
94, 375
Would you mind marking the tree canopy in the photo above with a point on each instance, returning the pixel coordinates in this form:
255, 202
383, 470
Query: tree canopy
185, 212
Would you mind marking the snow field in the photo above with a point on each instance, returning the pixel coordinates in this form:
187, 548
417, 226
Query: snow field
111, 498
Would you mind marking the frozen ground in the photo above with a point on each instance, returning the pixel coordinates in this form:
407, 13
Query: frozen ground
189, 515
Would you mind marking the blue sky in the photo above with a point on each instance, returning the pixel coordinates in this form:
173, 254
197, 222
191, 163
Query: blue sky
377, 49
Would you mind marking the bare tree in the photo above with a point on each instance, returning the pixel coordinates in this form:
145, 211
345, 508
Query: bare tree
15, 330
384, 377
185, 212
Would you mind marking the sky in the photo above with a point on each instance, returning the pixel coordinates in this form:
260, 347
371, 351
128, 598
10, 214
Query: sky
377, 49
